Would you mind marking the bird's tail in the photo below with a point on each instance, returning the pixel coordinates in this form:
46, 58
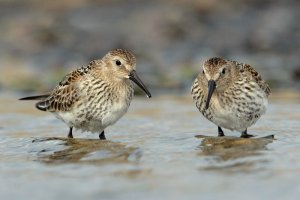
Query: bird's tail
41, 105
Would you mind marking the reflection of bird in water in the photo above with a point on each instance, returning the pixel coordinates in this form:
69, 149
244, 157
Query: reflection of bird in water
87, 151
230, 94
95, 96
228, 148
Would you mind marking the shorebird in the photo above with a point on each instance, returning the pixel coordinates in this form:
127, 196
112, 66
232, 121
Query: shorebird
230, 94
95, 96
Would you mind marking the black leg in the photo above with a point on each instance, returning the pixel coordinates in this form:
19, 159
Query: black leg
102, 136
220, 132
70, 135
246, 135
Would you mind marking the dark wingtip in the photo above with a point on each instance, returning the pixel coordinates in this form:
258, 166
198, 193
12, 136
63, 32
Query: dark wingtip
39, 97
27, 98
41, 105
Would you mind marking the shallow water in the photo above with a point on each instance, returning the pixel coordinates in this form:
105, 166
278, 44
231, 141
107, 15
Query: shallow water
151, 153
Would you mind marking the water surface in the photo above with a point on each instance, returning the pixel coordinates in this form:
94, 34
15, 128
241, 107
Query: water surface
154, 152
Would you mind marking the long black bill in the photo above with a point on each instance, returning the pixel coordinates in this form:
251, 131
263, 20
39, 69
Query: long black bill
134, 77
211, 89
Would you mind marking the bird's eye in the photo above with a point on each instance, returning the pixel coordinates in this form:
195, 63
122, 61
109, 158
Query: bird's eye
223, 71
203, 72
118, 63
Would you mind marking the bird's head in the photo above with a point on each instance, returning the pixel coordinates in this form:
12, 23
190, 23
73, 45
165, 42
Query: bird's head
121, 65
217, 75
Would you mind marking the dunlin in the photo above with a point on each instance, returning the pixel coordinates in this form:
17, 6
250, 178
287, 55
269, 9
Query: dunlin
232, 95
95, 96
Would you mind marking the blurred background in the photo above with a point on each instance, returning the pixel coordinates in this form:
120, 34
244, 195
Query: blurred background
41, 41
151, 152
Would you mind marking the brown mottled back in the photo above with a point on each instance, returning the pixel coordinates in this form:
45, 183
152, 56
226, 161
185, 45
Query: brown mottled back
254, 74
74, 75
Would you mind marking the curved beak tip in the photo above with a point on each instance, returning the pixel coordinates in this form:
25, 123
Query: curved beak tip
207, 105
134, 77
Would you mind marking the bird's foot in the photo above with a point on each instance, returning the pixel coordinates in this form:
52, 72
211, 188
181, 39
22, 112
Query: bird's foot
247, 135
102, 136
70, 134
220, 132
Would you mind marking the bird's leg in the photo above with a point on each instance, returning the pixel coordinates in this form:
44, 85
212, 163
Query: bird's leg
102, 136
70, 135
220, 132
246, 135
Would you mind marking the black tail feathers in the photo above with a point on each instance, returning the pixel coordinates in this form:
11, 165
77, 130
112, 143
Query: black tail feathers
39, 97
42, 105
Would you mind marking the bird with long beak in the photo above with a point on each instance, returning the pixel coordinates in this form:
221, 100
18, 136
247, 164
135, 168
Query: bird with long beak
232, 95
95, 96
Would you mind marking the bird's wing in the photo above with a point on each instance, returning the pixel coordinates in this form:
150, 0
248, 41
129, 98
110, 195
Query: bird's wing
255, 76
63, 97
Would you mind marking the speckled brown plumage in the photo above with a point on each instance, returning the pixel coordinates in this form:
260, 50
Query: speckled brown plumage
95, 96
230, 94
